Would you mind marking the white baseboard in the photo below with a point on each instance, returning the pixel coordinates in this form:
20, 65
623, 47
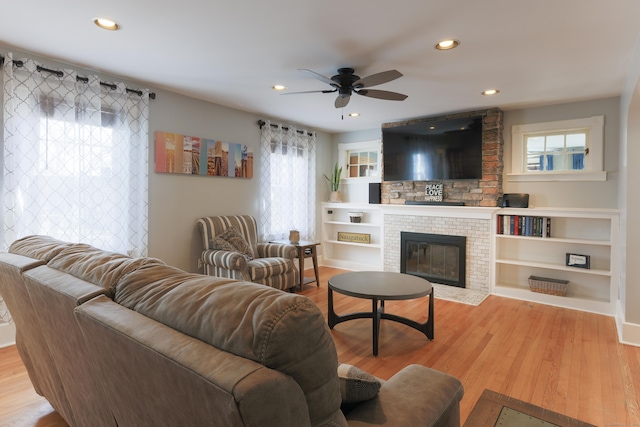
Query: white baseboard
628, 333
7, 334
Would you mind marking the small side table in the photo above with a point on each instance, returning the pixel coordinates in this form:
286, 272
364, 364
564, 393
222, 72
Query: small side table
306, 249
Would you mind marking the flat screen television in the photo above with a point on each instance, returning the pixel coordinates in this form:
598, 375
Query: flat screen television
433, 150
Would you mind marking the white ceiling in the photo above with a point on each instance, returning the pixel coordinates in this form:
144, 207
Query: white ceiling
231, 52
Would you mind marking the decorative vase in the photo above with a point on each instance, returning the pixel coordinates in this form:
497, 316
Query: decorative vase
335, 197
294, 236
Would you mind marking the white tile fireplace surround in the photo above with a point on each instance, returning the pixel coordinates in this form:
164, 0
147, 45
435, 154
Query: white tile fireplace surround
472, 222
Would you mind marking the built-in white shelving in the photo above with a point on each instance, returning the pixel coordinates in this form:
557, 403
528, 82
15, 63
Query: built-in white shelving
512, 258
592, 232
352, 255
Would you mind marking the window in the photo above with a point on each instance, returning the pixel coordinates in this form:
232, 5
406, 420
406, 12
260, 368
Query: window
287, 182
558, 151
58, 157
75, 160
361, 160
567, 150
362, 163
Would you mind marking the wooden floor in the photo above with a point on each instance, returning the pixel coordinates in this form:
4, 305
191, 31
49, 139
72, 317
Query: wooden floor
566, 361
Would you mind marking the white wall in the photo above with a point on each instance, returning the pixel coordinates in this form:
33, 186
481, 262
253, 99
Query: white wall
569, 194
176, 202
354, 192
629, 319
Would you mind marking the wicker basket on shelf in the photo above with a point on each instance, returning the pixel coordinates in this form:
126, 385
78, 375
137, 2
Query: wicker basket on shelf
546, 285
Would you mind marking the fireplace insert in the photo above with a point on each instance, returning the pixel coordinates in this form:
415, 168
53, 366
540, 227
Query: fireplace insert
435, 257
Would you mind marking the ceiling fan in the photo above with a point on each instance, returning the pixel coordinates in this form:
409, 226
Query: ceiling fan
346, 83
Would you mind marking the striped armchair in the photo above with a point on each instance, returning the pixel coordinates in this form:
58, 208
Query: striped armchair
266, 263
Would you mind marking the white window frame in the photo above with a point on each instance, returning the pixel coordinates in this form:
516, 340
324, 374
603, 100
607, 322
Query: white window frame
344, 148
594, 162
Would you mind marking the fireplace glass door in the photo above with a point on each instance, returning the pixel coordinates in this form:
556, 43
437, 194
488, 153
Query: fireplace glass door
437, 258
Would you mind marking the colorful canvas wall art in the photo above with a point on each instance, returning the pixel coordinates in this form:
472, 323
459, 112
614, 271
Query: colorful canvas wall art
191, 155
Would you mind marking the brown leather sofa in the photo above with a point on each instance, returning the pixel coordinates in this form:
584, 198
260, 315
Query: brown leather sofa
116, 341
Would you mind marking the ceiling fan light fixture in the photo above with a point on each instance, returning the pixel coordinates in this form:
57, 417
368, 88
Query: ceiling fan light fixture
346, 82
107, 24
490, 92
354, 114
447, 44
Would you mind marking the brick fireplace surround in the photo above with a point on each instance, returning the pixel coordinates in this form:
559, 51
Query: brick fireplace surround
472, 220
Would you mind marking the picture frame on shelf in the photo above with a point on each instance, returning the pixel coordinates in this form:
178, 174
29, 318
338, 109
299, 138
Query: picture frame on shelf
344, 236
579, 261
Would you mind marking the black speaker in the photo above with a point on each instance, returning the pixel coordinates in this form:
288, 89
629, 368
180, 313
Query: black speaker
515, 200
374, 193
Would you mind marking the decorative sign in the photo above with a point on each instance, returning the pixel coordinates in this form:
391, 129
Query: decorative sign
577, 260
434, 192
344, 236
191, 155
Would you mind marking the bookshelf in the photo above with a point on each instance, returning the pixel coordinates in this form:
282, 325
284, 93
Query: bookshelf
541, 251
352, 255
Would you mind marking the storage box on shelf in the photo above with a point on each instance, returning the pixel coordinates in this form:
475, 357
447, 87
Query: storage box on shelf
526, 246
352, 255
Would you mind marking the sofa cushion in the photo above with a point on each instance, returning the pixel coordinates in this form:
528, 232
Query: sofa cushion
149, 288
232, 240
38, 247
282, 331
356, 385
102, 268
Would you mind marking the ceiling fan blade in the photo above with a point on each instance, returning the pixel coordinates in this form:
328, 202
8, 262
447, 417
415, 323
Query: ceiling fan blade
320, 77
377, 79
382, 94
342, 101
309, 91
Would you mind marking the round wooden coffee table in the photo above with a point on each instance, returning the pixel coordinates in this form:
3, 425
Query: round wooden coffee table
379, 286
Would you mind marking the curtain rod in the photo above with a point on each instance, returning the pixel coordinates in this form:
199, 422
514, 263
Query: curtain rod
59, 73
262, 123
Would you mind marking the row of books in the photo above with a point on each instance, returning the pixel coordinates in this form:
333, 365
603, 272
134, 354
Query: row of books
522, 225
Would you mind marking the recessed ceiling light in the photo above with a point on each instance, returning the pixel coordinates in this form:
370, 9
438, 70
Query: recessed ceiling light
490, 92
278, 87
107, 24
447, 44
354, 114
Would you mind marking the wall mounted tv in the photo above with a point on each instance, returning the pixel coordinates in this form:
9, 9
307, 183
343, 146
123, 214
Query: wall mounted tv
432, 150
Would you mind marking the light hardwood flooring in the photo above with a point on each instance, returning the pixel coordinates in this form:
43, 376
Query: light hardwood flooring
564, 360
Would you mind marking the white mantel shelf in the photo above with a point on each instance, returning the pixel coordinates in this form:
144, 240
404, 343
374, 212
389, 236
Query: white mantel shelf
469, 212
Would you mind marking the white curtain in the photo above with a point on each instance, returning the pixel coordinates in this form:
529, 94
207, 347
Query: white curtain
287, 182
75, 159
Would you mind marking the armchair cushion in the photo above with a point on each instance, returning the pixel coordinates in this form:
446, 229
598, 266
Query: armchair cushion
232, 240
261, 268
356, 385
276, 250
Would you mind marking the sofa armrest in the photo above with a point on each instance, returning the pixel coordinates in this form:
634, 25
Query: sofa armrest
225, 259
276, 250
415, 396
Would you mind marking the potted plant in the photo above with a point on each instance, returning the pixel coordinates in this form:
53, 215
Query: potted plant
334, 182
